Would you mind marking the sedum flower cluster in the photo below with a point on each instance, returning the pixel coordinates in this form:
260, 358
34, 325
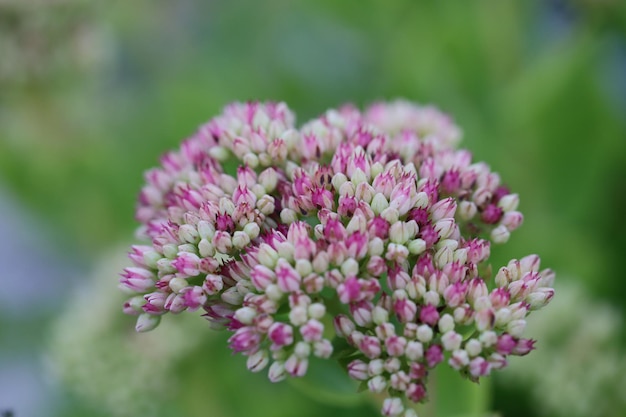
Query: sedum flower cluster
360, 236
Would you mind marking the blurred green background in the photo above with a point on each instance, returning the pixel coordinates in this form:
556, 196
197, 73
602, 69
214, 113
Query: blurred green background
91, 93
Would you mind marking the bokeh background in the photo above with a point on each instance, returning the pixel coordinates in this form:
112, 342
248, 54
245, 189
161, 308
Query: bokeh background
91, 93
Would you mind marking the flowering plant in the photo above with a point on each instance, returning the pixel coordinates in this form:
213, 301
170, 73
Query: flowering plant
362, 237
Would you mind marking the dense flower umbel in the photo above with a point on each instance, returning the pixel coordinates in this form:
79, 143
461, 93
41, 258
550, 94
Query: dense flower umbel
369, 228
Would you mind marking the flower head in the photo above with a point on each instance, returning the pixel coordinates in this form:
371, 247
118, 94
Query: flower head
373, 222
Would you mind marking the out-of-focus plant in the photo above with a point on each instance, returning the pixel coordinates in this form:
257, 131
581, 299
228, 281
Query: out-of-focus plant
579, 369
110, 368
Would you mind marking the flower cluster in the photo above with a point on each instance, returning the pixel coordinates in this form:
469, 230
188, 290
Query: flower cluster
367, 231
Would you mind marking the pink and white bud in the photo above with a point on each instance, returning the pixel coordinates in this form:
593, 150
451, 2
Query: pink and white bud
451, 341
177, 285
262, 276
454, 294
392, 407
144, 256
397, 253
258, 361
414, 351
445, 227
512, 220
137, 279
424, 333
405, 310
434, 355
395, 345
362, 313
523, 347
287, 277
429, 315
312, 331
479, 367
370, 347
476, 289
194, 297
245, 339
415, 393
529, 263
459, 359
222, 241
147, 322
443, 257
232, 296
500, 234
357, 369
267, 255
403, 197
377, 384
516, 327
473, 347
277, 371
467, 210
343, 326
443, 209
175, 303
323, 349
399, 381
445, 323
154, 303
484, 319
384, 330
509, 202
187, 264
281, 334
539, 298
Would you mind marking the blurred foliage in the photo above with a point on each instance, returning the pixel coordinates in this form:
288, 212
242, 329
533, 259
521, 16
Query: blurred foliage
92, 93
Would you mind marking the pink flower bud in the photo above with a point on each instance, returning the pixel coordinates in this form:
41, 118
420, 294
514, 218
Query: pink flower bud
262, 276
245, 339
443, 209
392, 407
370, 347
357, 369
429, 315
416, 392
281, 334
147, 322
343, 325
476, 289
137, 279
405, 310
434, 355
257, 361
512, 220
395, 345
479, 367
277, 371
194, 297
312, 331
187, 264
296, 366
399, 381
349, 290
539, 298
377, 384
323, 349
506, 343
455, 294
523, 347
287, 277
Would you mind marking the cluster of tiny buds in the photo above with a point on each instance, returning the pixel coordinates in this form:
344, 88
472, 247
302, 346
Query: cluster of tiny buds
367, 231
